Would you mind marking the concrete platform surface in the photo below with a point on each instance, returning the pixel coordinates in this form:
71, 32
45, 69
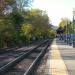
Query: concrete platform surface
61, 59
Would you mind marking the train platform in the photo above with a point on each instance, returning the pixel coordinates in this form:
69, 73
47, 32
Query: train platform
61, 59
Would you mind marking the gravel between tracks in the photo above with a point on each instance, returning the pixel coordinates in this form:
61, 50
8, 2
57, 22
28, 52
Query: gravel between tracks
41, 68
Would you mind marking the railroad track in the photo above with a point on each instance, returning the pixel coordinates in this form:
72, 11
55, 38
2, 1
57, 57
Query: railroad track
6, 50
26, 62
12, 53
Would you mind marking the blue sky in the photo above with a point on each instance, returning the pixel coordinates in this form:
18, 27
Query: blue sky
56, 9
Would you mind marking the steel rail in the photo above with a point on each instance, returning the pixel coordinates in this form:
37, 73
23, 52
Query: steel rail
32, 69
14, 62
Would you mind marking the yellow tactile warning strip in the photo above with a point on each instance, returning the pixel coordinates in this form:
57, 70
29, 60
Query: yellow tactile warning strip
55, 64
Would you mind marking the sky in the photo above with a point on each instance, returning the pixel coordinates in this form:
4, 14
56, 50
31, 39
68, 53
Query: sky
56, 9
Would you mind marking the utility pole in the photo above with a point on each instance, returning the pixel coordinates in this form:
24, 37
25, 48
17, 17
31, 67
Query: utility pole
73, 27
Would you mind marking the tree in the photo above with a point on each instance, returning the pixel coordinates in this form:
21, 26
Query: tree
16, 5
4, 3
17, 19
65, 27
22, 4
27, 31
65, 22
7, 31
40, 21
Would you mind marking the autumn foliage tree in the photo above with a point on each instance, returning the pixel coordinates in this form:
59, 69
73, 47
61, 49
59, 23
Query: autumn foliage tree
21, 27
39, 21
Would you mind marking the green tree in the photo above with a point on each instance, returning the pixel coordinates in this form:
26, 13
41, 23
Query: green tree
40, 21
65, 24
27, 31
7, 31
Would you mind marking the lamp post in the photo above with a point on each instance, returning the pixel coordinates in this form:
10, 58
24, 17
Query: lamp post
67, 32
70, 42
66, 39
73, 27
